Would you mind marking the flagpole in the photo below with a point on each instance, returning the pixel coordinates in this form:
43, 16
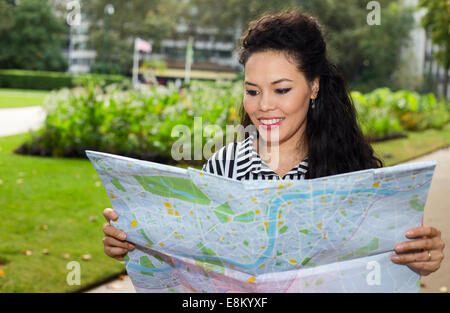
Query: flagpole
135, 64
189, 59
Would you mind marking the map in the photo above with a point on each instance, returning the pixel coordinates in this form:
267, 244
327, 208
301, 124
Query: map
199, 232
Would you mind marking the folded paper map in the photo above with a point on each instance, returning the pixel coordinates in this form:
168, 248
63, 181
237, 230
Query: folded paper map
199, 232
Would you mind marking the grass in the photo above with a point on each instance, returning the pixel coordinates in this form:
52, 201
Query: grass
16, 98
417, 144
64, 193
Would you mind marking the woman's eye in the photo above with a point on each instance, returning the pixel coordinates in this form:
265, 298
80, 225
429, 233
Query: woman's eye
252, 92
256, 92
283, 91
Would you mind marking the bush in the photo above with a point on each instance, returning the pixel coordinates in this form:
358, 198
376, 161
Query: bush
140, 122
386, 113
136, 123
419, 112
376, 119
21, 79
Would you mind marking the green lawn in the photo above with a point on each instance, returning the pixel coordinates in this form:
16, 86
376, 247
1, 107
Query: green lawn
64, 193
15, 98
417, 144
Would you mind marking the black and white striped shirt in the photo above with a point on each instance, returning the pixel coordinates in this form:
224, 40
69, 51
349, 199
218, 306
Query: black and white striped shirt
239, 160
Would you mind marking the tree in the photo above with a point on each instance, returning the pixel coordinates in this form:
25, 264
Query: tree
436, 22
31, 36
148, 19
222, 21
383, 44
226, 16
367, 55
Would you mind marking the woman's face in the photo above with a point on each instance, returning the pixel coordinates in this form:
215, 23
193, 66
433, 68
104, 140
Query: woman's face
277, 96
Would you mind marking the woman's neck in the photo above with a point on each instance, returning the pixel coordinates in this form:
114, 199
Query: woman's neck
281, 157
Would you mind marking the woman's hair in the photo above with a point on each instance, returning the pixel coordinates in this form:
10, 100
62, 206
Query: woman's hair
336, 143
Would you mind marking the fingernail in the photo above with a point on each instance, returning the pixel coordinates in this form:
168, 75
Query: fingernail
409, 233
395, 258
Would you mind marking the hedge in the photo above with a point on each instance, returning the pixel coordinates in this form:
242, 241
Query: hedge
22, 79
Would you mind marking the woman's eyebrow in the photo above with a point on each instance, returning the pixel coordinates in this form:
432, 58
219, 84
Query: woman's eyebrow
273, 83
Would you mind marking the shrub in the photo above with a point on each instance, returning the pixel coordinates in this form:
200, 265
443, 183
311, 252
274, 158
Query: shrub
375, 118
383, 112
420, 112
140, 122
129, 122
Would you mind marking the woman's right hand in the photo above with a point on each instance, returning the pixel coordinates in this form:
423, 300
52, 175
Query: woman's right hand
114, 242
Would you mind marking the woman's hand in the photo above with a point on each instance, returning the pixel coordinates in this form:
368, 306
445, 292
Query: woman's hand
115, 244
424, 255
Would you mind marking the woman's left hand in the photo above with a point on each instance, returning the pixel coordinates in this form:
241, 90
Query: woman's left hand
424, 255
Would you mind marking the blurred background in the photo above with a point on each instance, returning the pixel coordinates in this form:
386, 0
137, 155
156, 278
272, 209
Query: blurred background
117, 76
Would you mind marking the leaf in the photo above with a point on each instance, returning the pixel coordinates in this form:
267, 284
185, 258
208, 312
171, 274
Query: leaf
86, 257
92, 218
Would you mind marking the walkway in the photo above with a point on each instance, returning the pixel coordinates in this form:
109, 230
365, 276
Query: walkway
21, 120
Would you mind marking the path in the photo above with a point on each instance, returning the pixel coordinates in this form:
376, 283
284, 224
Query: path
21, 120
120, 285
437, 214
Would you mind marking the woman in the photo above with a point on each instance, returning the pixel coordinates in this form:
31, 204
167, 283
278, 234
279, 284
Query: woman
305, 121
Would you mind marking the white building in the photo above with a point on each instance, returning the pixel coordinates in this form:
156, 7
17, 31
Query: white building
79, 57
212, 59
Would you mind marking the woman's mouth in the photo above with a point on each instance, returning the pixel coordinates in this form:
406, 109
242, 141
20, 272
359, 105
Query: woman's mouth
269, 123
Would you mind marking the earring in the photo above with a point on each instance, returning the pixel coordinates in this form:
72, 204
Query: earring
313, 103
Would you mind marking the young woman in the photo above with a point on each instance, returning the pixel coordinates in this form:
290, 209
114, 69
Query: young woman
305, 125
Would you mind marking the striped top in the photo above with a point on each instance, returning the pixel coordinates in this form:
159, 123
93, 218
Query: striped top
239, 160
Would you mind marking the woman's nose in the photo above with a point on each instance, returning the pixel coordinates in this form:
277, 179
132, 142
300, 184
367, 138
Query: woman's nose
266, 103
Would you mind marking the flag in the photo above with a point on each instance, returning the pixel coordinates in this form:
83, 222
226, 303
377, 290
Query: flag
139, 45
142, 45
